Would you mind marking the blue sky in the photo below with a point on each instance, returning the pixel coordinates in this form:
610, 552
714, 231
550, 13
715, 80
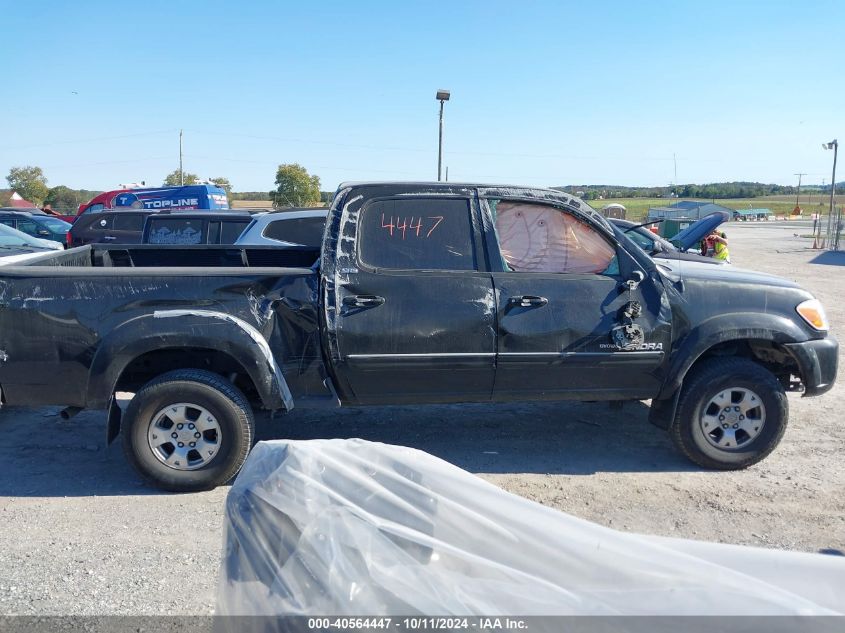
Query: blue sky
543, 93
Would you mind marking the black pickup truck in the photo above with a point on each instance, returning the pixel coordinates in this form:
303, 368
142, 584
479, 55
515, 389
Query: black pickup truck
421, 293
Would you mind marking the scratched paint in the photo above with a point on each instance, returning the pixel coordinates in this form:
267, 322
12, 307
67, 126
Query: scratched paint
254, 334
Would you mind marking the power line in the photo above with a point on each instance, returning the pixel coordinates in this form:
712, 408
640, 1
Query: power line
109, 162
86, 140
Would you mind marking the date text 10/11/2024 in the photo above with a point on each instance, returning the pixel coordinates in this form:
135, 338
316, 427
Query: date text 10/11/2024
417, 624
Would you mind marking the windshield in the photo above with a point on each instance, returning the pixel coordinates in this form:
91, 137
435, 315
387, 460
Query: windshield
55, 225
13, 237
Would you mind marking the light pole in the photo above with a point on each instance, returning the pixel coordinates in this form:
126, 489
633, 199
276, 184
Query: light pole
834, 145
442, 96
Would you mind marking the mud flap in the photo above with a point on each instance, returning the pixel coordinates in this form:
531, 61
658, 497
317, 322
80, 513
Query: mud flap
662, 412
113, 427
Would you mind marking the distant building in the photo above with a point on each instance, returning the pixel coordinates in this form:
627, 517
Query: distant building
752, 214
687, 209
16, 200
614, 210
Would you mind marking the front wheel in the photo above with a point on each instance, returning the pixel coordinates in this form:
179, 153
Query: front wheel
188, 430
731, 414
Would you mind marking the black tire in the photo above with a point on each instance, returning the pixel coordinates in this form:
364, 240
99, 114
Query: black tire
709, 380
208, 391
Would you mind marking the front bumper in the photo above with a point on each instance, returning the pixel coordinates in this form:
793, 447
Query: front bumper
817, 361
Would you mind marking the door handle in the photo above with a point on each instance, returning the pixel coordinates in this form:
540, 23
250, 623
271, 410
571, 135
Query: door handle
526, 301
363, 301
109, 237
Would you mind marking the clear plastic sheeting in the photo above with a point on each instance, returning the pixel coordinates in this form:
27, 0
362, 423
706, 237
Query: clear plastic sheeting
348, 527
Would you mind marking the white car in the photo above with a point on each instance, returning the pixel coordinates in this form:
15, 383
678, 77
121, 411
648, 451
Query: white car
17, 246
288, 227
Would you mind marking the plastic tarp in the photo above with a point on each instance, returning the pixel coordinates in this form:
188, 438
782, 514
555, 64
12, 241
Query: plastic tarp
349, 527
538, 238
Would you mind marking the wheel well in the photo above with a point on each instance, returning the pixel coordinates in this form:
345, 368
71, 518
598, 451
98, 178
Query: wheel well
152, 364
768, 354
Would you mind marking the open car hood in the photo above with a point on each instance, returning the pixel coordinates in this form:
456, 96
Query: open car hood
697, 231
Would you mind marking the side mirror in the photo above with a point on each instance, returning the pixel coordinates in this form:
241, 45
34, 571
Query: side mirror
637, 277
656, 247
43, 232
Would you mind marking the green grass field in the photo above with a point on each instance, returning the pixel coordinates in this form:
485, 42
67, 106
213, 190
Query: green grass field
251, 204
779, 205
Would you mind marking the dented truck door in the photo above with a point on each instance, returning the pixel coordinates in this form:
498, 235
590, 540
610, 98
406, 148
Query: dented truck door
577, 317
414, 315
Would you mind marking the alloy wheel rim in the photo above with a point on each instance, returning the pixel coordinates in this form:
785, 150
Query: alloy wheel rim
184, 436
732, 418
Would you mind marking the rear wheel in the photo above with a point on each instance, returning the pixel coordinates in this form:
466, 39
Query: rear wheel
188, 430
732, 413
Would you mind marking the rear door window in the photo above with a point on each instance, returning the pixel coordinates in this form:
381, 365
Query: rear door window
305, 231
129, 222
232, 230
417, 234
103, 223
28, 226
177, 231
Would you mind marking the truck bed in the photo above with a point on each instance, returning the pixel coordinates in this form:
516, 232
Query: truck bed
62, 315
157, 256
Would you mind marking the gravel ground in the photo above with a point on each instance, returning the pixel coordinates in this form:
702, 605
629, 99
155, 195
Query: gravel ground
82, 535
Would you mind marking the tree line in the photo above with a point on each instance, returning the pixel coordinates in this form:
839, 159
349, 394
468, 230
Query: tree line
295, 187
715, 190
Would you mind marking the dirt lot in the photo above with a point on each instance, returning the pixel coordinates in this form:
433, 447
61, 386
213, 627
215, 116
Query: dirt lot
82, 535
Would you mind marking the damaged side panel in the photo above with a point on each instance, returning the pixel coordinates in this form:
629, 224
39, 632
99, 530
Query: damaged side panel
409, 316
69, 334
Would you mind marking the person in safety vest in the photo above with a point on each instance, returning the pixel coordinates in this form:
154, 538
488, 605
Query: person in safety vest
716, 246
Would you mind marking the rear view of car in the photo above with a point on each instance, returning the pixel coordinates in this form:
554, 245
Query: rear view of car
187, 229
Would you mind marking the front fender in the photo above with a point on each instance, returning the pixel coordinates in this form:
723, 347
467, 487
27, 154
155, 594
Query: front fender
737, 326
174, 329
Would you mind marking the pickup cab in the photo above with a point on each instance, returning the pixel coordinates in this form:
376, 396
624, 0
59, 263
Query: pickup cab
421, 293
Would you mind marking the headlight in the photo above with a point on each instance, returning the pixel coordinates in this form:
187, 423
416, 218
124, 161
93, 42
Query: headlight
812, 312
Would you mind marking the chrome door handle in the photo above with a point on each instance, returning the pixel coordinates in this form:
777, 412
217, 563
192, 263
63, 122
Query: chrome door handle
363, 301
527, 301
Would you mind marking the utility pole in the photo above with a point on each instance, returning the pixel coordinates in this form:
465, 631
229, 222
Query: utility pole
797, 193
181, 173
834, 145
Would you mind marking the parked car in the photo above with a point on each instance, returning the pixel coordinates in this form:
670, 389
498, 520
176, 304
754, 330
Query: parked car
16, 246
425, 293
37, 224
683, 246
288, 227
194, 228
108, 227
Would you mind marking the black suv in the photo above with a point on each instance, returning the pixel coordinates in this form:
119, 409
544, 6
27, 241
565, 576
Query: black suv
108, 227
